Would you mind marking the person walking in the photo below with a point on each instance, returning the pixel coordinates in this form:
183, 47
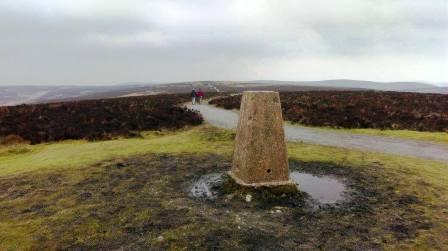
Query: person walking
200, 95
193, 96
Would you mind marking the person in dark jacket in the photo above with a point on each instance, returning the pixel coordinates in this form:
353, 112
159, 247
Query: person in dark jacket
193, 96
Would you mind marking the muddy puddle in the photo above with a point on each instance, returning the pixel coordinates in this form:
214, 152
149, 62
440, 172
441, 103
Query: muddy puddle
203, 187
146, 202
324, 189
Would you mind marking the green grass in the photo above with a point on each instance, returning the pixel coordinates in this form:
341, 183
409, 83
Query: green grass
433, 171
436, 137
78, 153
425, 179
205, 139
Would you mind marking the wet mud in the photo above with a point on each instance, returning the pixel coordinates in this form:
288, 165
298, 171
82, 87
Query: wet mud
319, 189
146, 202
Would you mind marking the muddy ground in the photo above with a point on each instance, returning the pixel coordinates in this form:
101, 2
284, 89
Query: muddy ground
144, 202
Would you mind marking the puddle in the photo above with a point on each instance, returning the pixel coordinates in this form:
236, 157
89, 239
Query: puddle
203, 187
325, 190
322, 189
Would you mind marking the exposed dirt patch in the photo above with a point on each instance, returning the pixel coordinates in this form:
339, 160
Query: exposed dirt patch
143, 202
360, 109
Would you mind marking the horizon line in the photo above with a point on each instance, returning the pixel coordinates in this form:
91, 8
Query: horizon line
436, 84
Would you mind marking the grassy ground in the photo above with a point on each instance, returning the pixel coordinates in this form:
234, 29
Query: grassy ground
133, 193
436, 137
78, 153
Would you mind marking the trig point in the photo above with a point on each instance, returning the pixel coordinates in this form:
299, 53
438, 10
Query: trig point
260, 157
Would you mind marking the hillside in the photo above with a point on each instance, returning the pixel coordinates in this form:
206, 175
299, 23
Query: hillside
96, 119
136, 194
348, 83
13, 95
360, 109
134, 185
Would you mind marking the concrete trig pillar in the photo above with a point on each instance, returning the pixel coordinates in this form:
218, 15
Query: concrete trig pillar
260, 157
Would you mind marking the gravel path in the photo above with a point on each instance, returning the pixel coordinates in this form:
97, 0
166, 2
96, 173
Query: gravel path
414, 148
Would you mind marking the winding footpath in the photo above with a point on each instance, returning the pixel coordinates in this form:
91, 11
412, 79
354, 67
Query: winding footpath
389, 145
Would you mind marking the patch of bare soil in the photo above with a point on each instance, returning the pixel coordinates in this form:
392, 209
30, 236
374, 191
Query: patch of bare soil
145, 203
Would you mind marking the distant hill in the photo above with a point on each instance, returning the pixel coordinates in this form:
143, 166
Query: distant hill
13, 95
437, 89
348, 83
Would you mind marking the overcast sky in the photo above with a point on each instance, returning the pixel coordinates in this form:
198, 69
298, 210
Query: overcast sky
108, 42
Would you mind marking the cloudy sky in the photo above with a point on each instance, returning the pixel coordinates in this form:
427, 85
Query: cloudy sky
107, 41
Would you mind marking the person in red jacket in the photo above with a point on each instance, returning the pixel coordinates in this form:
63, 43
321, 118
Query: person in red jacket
200, 95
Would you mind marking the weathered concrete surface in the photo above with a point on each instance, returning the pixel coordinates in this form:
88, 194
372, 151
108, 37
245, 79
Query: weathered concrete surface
260, 157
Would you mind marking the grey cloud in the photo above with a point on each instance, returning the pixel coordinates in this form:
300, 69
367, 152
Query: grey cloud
82, 49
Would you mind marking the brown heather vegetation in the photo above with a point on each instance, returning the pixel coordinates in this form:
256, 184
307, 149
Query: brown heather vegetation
360, 109
96, 119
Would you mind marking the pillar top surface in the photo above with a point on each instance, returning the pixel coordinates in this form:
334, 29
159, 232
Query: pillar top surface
259, 92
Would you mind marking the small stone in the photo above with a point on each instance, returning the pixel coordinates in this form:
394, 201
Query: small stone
278, 209
230, 196
248, 198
